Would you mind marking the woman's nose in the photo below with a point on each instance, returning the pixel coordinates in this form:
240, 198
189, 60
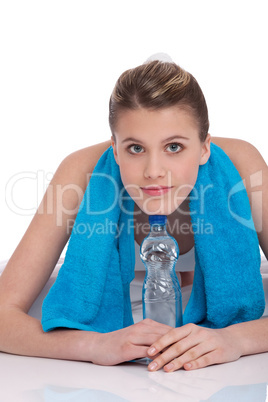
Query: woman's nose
154, 168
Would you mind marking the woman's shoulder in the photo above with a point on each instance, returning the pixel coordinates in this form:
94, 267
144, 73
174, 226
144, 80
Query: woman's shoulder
245, 156
87, 157
77, 166
232, 146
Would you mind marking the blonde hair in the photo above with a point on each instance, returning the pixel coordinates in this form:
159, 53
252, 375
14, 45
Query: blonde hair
158, 85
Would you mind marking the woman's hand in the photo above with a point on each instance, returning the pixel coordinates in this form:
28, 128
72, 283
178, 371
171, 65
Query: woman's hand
193, 347
126, 344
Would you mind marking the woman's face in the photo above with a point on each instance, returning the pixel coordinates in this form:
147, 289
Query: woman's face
159, 153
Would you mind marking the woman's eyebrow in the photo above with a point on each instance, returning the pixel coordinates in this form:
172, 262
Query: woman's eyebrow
174, 137
130, 139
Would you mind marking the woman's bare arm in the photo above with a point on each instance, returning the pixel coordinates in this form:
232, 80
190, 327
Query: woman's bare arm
35, 257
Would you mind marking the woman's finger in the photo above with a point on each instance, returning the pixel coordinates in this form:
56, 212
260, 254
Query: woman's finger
172, 336
204, 361
179, 354
196, 355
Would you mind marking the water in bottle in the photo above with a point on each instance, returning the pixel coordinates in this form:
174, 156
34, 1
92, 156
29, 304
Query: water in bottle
161, 293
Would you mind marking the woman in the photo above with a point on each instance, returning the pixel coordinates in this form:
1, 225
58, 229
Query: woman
159, 124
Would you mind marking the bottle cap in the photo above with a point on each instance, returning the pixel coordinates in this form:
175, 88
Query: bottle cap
157, 219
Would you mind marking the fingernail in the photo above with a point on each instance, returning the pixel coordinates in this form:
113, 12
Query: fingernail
151, 351
152, 366
169, 366
188, 365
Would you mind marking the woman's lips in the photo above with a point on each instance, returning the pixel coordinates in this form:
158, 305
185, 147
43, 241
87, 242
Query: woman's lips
156, 190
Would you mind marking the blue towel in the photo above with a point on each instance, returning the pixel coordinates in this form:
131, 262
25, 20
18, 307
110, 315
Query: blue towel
91, 291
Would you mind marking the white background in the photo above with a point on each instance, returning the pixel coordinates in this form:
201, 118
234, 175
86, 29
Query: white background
60, 60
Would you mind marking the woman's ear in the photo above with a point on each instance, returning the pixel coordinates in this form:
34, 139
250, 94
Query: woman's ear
205, 152
114, 149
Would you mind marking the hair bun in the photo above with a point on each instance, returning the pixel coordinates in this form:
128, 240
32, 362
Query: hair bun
160, 57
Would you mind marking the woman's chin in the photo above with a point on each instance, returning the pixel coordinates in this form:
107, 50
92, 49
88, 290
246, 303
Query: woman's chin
156, 207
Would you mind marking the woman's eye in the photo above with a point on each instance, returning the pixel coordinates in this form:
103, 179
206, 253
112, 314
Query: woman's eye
135, 149
174, 147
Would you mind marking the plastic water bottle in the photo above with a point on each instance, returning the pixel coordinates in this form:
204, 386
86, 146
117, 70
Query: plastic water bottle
161, 294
